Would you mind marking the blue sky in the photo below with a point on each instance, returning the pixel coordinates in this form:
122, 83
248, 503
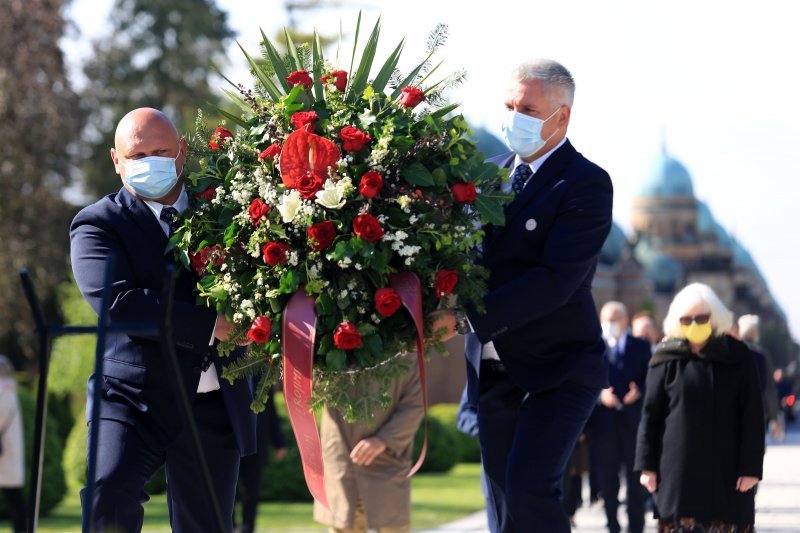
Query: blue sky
716, 81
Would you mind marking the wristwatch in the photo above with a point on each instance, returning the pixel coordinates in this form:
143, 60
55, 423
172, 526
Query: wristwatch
462, 323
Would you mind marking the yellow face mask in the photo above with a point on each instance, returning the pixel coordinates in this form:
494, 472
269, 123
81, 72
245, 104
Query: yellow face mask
697, 333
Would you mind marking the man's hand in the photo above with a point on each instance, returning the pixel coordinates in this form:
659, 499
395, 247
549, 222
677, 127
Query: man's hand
223, 330
745, 483
776, 430
633, 394
609, 399
648, 480
444, 325
367, 450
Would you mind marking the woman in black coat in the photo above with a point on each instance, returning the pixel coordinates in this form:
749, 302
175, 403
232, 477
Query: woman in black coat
700, 444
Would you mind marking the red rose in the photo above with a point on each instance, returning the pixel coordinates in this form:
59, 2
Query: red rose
259, 331
368, 228
217, 138
207, 194
321, 235
411, 96
346, 336
304, 118
464, 192
338, 78
300, 77
216, 254
270, 152
353, 139
309, 184
198, 260
275, 252
387, 301
446, 281
257, 210
370, 185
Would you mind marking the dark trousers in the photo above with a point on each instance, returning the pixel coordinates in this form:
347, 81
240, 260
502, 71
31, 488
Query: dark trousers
16, 508
615, 450
251, 469
526, 441
126, 461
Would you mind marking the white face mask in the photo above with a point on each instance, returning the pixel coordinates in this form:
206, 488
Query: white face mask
523, 133
152, 177
611, 329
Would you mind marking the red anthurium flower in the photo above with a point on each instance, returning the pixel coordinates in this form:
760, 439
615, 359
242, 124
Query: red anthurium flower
300, 77
275, 253
301, 119
338, 78
387, 301
218, 138
346, 336
367, 227
259, 331
207, 194
464, 192
198, 260
411, 96
321, 235
257, 210
270, 152
353, 139
304, 152
446, 281
370, 185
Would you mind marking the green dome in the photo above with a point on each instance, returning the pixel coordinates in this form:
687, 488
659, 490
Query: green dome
667, 177
488, 143
665, 272
705, 220
615, 243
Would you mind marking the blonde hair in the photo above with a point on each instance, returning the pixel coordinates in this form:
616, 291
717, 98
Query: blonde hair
690, 296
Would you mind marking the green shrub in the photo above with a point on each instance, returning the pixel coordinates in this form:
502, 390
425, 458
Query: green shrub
53, 487
441, 443
283, 481
469, 449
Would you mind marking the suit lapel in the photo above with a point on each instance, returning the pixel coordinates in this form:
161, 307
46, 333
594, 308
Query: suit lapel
143, 217
551, 169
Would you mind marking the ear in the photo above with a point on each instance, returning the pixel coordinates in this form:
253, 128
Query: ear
115, 159
563, 117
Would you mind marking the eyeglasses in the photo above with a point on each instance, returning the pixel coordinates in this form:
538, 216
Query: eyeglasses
697, 319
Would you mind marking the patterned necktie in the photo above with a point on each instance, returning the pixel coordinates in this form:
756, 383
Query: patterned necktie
520, 177
170, 216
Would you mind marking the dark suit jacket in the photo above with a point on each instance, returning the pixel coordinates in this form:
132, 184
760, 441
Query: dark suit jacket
631, 366
540, 311
135, 371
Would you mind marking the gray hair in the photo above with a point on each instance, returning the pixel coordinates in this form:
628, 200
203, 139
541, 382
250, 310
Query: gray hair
6, 368
690, 296
612, 306
553, 75
748, 327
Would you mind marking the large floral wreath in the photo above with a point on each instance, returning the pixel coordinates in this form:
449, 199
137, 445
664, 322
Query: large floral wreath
333, 181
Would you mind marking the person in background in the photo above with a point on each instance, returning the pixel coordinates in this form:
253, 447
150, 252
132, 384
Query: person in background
700, 445
749, 333
367, 463
251, 467
616, 417
12, 448
643, 326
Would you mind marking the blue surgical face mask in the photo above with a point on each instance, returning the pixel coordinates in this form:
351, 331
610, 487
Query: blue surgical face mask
152, 177
523, 133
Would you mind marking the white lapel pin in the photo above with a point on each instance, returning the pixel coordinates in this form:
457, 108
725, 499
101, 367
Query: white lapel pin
530, 224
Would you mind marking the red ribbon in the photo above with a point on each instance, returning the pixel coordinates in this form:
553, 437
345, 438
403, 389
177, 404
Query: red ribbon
408, 287
299, 331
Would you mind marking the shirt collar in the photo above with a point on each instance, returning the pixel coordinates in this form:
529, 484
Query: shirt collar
181, 204
537, 163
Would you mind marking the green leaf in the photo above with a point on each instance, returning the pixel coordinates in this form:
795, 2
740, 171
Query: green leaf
417, 174
326, 304
294, 59
239, 101
374, 344
490, 209
233, 118
325, 344
277, 63
335, 359
289, 282
359, 81
316, 57
442, 111
355, 45
439, 176
385, 74
274, 94
486, 172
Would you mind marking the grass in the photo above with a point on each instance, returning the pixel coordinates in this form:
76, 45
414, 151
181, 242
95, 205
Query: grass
435, 499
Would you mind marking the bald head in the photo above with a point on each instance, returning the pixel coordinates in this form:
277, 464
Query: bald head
146, 132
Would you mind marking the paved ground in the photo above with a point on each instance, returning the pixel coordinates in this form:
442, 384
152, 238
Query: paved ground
777, 501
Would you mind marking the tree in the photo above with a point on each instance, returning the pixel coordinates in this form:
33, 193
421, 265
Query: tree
158, 53
41, 119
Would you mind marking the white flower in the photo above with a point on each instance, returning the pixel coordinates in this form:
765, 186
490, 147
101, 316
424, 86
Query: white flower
332, 195
404, 201
289, 206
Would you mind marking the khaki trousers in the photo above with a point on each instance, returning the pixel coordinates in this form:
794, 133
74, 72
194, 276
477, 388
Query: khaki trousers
360, 525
